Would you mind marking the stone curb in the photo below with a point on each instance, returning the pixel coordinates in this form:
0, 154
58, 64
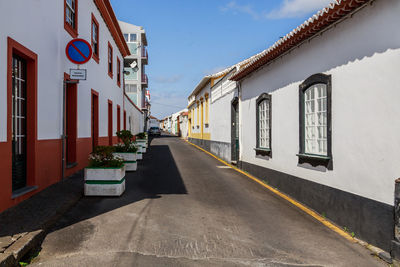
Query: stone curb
13, 254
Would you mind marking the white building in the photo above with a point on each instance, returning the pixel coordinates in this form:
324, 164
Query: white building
136, 81
184, 124
316, 115
153, 122
32, 49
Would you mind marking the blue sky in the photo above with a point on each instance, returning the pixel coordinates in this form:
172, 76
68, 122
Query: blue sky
188, 39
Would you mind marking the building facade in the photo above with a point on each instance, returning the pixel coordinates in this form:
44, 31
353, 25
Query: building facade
36, 128
317, 116
198, 113
136, 80
183, 124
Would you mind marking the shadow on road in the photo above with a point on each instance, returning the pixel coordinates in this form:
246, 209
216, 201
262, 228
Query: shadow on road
157, 175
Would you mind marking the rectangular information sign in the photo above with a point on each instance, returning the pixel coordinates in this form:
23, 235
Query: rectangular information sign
77, 74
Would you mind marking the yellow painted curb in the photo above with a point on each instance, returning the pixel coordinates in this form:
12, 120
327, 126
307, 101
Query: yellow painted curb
286, 197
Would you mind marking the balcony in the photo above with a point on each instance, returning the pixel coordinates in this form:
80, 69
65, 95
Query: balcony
145, 56
145, 80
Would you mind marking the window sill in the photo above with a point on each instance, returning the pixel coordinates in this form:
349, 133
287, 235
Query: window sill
110, 74
315, 160
263, 151
96, 58
23, 191
73, 32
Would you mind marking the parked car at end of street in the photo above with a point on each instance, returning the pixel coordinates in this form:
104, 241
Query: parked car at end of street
155, 131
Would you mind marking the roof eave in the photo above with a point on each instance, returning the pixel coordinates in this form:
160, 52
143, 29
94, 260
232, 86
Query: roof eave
321, 21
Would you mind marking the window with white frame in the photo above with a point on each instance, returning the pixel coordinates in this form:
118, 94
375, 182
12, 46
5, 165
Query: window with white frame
131, 88
70, 10
315, 121
263, 117
132, 37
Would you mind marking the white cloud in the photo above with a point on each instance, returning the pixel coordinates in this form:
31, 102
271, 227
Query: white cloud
288, 9
297, 8
246, 9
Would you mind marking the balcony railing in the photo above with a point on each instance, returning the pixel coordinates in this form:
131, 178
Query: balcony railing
144, 79
145, 55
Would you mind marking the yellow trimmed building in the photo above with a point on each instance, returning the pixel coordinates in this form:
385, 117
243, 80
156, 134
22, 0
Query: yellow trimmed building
199, 110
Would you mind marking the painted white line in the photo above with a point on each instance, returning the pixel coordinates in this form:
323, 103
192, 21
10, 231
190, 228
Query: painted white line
224, 167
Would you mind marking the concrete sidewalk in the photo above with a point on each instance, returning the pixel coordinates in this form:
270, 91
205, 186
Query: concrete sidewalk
24, 226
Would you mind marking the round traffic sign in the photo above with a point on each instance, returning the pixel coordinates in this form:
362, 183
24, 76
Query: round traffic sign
78, 51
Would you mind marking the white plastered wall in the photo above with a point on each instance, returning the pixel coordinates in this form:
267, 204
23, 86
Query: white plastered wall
45, 35
222, 95
363, 56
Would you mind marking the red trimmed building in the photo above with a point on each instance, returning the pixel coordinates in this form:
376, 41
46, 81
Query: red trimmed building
33, 76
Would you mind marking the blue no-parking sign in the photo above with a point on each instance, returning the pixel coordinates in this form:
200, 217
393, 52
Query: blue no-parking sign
78, 51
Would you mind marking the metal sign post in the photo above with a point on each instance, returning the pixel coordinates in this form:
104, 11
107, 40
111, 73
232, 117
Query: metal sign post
78, 51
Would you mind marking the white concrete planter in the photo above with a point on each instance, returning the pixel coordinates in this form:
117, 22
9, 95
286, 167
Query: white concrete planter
130, 160
142, 142
139, 154
142, 149
104, 181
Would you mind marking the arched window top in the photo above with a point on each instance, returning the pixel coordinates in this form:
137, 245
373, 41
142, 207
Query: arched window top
315, 79
262, 97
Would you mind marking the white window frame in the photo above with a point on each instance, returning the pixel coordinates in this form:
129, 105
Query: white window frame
263, 124
70, 20
316, 120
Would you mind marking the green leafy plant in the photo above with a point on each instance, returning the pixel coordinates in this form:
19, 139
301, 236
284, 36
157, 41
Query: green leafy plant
125, 136
141, 135
127, 139
102, 157
130, 148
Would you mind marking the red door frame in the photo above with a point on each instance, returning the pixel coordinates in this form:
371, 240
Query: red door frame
110, 123
31, 59
95, 127
124, 119
71, 112
118, 118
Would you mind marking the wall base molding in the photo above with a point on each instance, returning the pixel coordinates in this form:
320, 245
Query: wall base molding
370, 220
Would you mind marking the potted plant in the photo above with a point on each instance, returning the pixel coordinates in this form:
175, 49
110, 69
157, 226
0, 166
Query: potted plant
126, 150
105, 175
141, 140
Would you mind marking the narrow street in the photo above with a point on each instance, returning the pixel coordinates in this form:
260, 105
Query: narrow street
184, 208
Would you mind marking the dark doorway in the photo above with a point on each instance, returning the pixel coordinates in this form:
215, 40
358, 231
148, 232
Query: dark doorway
19, 115
95, 119
110, 123
71, 122
235, 131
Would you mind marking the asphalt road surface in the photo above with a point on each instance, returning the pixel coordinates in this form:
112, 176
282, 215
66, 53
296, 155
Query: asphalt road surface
184, 208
